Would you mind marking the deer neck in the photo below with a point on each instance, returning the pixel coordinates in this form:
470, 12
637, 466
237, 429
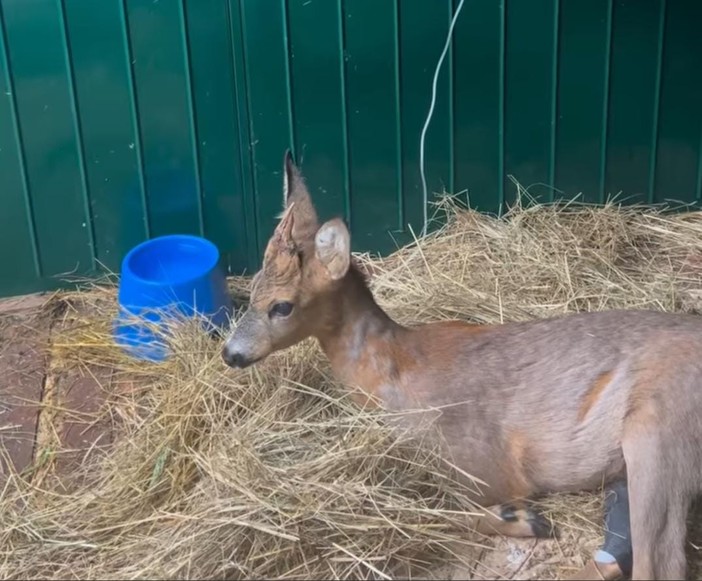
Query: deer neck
359, 338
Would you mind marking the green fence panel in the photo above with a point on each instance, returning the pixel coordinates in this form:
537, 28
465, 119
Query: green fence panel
122, 120
19, 248
50, 147
478, 102
677, 169
216, 129
585, 28
101, 72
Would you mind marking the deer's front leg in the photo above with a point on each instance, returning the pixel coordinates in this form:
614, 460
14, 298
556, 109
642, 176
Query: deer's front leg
514, 520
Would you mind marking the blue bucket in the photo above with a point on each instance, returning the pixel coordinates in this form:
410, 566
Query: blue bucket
170, 275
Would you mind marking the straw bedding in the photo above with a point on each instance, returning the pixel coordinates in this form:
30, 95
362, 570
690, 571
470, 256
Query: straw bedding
273, 473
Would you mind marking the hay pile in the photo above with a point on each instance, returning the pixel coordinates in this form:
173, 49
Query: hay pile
272, 472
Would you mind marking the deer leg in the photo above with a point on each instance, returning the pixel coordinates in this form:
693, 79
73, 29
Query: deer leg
514, 520
613, 559
658, 503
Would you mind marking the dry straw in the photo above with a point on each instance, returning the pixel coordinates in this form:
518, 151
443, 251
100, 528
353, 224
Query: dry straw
272, 472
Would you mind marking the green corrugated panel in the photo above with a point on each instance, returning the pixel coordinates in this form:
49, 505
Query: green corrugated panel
134, 118
585, 35
678, 162
19, 247
40, 98
108, 128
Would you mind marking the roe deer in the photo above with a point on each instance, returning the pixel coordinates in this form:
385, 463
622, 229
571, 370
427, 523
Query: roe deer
557, 405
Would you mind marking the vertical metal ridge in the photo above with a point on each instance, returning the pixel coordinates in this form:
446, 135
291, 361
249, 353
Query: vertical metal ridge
19, 144
190, 96
289, 75
452, 104
249, 221
78, 131
554, 96
398, 119
653, 162
501, 117
249, 145
605, 102
344, 113
136, 121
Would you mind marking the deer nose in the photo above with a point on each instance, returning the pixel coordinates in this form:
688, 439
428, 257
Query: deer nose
235, 359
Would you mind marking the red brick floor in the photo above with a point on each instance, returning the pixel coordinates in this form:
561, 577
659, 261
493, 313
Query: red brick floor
70, 407
23, 342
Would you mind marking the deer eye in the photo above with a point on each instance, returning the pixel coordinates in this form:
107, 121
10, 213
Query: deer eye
281, 309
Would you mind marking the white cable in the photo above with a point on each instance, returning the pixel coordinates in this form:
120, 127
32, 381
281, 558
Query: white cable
425, 198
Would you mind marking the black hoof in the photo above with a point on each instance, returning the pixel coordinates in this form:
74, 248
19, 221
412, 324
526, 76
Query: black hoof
540, 525
543, 528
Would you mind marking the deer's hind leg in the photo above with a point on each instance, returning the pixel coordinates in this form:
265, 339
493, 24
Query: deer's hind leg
659, 502
614, 558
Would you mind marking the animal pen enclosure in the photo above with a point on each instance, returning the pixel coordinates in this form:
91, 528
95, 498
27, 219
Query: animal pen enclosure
127, 119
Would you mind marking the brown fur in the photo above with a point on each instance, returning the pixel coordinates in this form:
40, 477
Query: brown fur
594, 394
557, 405
518, 463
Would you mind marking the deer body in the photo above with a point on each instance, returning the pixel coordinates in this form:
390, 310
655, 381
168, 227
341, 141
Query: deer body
557, 405
529, 408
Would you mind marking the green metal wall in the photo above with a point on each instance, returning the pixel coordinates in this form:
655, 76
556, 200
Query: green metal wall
123, 119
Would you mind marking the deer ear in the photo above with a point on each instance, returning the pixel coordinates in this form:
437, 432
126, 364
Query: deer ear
289, 170
333, 248
282, 241
295, 192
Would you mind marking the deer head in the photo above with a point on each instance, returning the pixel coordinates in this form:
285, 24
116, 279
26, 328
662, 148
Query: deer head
303, 265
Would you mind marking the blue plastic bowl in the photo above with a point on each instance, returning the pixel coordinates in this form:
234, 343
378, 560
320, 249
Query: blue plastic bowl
169, 275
